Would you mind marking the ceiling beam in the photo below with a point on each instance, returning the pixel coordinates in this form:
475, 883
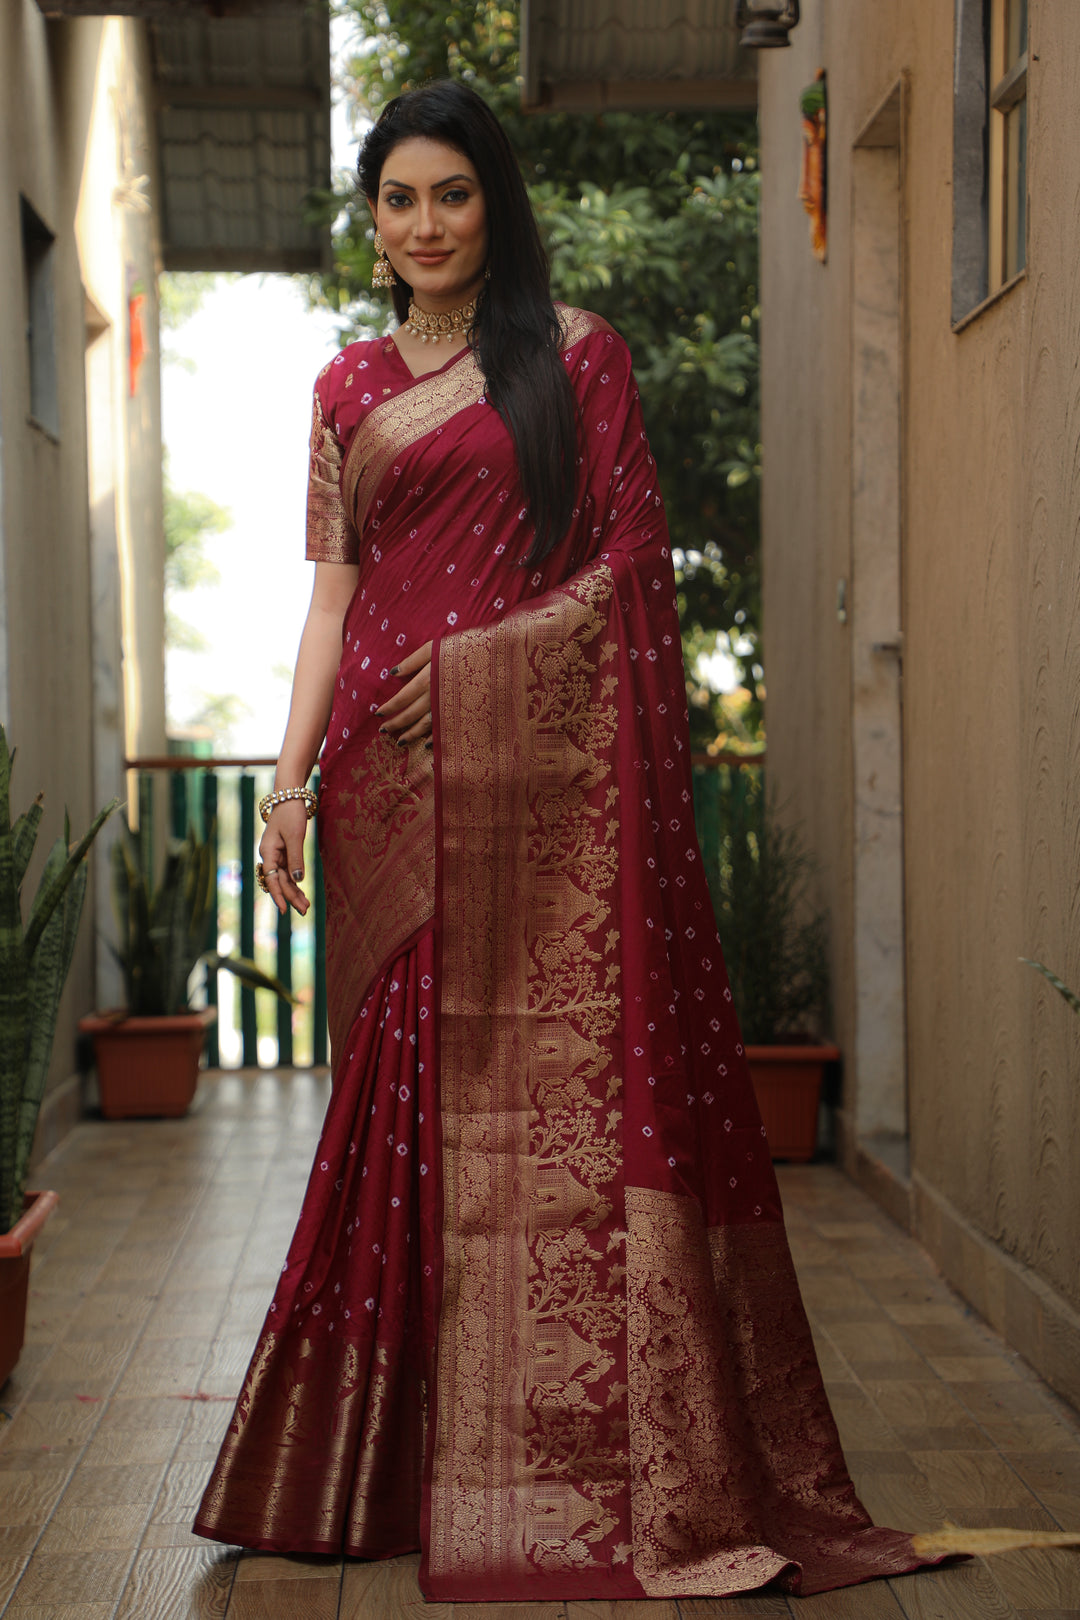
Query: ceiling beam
264, 97
640, 95
589, 55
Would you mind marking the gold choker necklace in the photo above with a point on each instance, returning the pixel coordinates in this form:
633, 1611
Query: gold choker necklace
430, 328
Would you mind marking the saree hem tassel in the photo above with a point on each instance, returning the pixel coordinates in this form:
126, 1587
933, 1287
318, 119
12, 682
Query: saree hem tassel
540, 1316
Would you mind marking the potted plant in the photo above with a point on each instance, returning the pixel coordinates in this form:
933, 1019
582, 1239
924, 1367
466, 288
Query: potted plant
147, 1052
34, 963
774, 941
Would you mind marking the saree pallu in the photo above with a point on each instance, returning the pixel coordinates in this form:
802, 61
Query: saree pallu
539, 1318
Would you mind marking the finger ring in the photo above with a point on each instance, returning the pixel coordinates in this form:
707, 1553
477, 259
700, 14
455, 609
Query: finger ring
260, 877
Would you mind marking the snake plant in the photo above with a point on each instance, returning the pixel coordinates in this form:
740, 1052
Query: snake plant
34, 963
772, 932
163, 926
1067, 995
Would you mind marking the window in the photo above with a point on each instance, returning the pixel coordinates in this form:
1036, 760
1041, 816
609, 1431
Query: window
1008, 139
38, 252
989, 149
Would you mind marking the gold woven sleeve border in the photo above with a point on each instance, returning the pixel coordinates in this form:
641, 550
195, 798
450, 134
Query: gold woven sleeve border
331, 537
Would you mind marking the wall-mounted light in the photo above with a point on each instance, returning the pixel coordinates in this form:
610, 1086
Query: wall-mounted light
765, 24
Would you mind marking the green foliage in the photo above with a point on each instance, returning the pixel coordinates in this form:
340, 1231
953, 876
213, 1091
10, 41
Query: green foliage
190, 519
163, 926
180, 296
651, 220
34, 963
221, 713
1069, 996
774, 938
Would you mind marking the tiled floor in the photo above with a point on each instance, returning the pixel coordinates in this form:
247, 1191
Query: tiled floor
150, 1284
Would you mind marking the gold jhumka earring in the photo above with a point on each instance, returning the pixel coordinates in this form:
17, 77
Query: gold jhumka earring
383, 273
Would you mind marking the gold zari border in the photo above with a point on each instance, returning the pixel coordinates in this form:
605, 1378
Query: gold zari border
393, 426
530, 1442
347, 1405
390, 429
694, 1485
378, 847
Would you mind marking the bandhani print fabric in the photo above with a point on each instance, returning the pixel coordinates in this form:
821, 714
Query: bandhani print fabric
539, 1318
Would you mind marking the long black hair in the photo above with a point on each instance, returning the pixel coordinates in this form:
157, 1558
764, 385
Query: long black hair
517, 334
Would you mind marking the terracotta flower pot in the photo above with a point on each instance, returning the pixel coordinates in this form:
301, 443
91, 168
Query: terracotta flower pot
787, 1084
148, 1067
15, 1247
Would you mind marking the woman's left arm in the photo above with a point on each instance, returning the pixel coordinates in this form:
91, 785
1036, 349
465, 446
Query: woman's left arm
282, 847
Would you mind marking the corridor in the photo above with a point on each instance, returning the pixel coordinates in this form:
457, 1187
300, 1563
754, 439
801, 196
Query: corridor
152, 1279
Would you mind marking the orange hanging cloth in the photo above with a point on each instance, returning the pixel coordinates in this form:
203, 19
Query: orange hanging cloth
813, 178
136, 337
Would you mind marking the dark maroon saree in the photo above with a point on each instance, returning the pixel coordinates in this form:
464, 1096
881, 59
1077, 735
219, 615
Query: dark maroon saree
539, 1317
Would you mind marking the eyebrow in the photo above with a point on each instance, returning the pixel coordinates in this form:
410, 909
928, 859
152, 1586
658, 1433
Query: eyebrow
402, 185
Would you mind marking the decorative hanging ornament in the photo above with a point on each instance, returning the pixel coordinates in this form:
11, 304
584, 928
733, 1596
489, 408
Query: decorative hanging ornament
431, 328
383, 273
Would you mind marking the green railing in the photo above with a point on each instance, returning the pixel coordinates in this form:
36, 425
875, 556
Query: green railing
218, 797
721, 783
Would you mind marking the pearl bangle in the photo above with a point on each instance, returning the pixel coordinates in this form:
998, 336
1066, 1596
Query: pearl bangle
282, 795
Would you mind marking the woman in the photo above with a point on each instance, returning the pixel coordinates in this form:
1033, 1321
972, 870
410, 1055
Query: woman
539, 1317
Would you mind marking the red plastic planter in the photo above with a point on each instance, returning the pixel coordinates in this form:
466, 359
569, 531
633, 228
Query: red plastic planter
787, 1084
148, 1067
15, 1247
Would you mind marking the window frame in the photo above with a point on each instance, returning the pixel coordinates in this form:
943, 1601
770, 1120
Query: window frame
987, 88
39, 303
1008, 77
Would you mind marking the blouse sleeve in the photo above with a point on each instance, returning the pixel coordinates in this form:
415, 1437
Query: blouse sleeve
330, 533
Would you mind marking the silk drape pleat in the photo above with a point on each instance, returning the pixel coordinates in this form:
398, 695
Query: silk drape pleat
325, 1451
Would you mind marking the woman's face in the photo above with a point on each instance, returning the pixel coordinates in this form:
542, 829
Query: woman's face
430, 210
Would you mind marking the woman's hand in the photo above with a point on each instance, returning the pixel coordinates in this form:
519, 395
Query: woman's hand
406, 717
281, 850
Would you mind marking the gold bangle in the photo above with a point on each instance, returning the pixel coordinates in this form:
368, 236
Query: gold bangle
283, 795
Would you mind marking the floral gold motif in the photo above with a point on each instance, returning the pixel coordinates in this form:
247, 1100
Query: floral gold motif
692, 1491
531, 1429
